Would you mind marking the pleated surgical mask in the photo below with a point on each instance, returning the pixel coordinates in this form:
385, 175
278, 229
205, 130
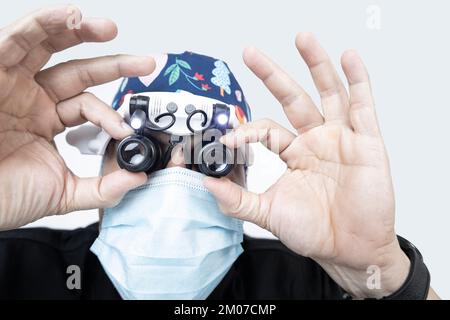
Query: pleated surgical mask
168, 239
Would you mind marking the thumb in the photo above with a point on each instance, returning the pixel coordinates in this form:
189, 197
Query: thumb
100, 192
239, 203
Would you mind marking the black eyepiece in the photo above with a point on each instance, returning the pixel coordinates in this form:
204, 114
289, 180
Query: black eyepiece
138, 154
215, 160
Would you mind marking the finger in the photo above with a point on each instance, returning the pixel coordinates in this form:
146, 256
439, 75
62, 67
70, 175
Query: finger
297, 104
90, 30
237, 202
177, 157
27, 33
87, 107
362, 111
68, 79
332, 91
100, 192
272, 135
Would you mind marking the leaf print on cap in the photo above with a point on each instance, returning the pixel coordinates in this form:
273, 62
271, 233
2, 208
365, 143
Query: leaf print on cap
170, 69
183, 64
174, 75
176, 69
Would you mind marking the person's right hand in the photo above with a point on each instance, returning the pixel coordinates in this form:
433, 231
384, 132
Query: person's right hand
36, 105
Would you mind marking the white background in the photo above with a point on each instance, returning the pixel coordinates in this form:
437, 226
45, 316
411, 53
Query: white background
408, 59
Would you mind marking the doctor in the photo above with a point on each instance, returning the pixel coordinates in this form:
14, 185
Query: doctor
333, 209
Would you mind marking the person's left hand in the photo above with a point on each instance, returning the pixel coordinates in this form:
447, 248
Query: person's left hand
335, 202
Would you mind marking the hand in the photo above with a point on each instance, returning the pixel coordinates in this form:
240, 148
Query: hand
335, 202
36, 105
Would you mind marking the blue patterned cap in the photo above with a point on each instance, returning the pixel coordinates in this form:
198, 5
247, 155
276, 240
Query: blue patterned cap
198, 74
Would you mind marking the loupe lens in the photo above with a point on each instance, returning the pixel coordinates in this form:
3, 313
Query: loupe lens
133, 153
215, 159
137, 154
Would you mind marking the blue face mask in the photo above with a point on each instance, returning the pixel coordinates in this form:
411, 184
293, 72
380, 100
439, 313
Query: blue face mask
168, 239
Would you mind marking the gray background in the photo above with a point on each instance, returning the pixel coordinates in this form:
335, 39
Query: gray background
407, 59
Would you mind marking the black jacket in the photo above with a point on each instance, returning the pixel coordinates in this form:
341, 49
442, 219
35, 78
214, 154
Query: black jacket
34, 265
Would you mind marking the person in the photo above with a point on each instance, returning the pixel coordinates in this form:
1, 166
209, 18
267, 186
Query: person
333, 209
